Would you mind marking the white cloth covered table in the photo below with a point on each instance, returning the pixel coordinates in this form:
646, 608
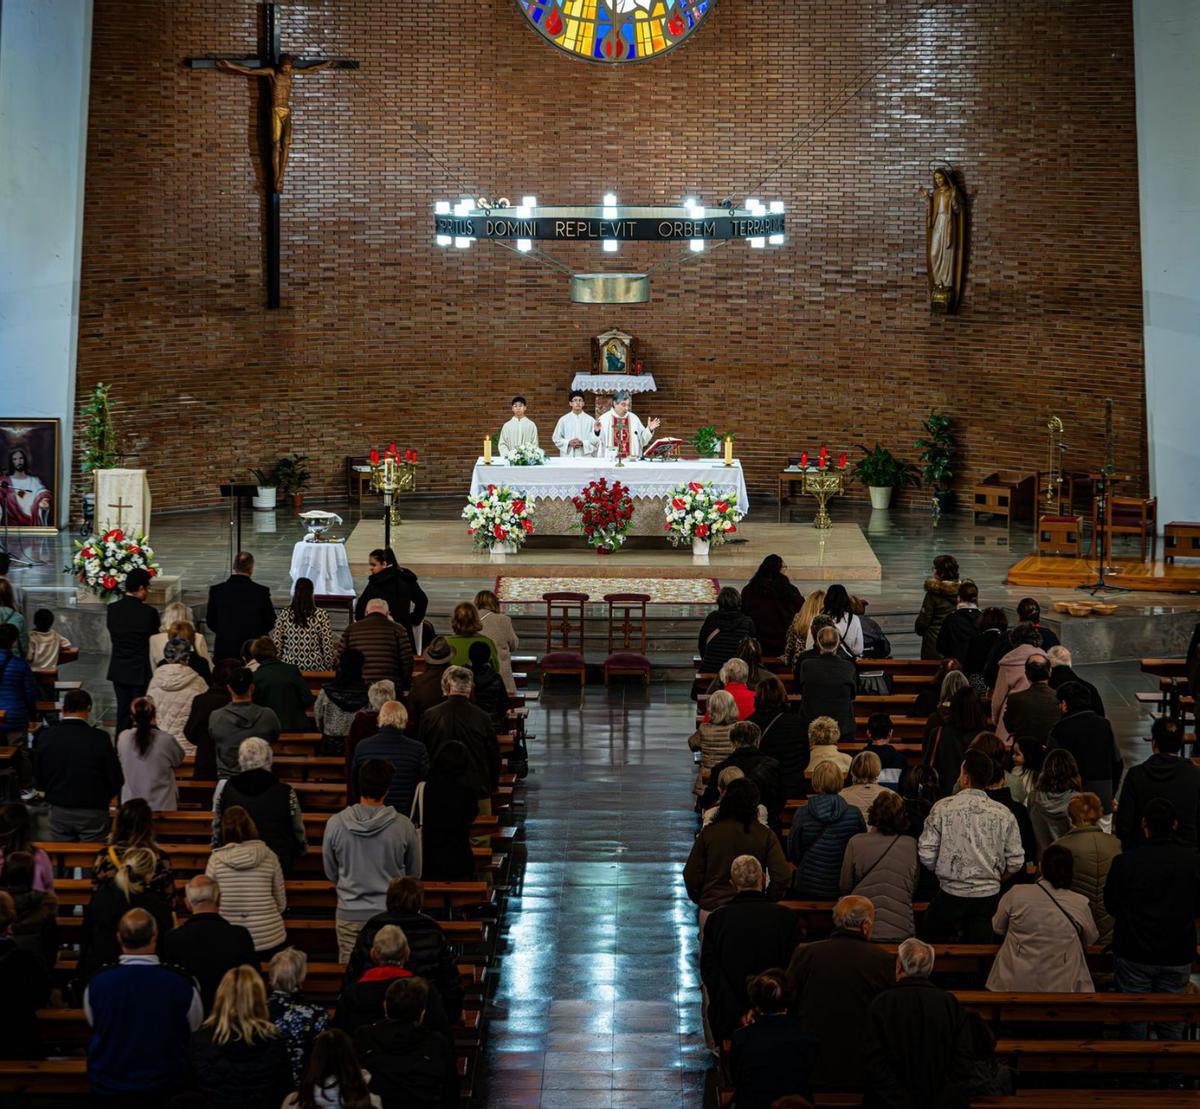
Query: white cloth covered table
326, 565
612, 383
563, 478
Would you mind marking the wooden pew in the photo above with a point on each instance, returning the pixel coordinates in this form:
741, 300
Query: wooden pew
1081, 1008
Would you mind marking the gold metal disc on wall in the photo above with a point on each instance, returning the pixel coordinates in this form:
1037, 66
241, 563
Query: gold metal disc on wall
610, 288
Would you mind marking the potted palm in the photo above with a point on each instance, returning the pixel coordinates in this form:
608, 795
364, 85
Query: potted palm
881, 472
99, 438
268, 481
708, 442
940, 459
294, 477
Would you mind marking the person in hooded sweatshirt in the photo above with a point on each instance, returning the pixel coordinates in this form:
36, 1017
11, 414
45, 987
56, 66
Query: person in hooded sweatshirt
366, 845
238, 720
1051, 797
411, 1065
960, 629
250, 878
819, 835
1164, 774
270, 803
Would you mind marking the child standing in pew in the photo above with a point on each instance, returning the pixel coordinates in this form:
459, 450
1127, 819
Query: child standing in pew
881, 732
45, 643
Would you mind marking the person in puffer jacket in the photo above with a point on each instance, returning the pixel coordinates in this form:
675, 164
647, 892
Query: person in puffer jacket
882, 866
173, 688
820, 832
251, 882
941, 599
1093, 850
723, 631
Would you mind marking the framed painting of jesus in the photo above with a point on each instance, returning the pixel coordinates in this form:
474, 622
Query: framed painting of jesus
29, 461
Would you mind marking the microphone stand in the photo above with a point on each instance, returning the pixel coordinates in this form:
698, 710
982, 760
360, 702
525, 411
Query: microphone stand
1102, 539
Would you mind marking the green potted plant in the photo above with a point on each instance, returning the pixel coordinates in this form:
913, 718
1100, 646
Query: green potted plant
268, 482
293, 477
708, 441
881, 472
99, 438
940, 458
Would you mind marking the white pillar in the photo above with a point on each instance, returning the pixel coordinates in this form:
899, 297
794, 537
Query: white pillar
45, 53
1167, 54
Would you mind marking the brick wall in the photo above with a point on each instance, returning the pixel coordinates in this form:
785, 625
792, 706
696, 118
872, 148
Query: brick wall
830, 338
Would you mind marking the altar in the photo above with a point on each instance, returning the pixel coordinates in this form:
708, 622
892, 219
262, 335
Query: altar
551, 486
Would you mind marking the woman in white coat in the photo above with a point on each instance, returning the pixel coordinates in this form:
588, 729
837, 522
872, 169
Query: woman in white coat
499, 629
1046, 928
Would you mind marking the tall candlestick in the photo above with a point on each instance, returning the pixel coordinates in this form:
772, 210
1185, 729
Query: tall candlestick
728, 450
487, 450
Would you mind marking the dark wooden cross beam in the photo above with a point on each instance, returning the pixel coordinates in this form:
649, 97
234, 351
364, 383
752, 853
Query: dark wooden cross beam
278, 70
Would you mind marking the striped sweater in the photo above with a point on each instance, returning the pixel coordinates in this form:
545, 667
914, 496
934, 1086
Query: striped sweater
252, 890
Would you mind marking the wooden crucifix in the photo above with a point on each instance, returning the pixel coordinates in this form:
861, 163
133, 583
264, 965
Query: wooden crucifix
278, 70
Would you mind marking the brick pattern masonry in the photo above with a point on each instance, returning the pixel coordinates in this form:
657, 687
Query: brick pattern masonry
829, 339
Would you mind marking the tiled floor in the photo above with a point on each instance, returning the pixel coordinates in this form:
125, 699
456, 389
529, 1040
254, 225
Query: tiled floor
597, 998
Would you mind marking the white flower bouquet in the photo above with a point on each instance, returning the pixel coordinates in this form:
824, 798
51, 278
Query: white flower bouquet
102, 562
527, 454
697, 511
499, 515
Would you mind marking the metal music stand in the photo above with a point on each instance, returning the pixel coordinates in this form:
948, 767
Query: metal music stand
1102, 539
238, 493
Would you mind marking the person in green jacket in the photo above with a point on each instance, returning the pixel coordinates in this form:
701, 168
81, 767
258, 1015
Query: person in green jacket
280, 687
941, 598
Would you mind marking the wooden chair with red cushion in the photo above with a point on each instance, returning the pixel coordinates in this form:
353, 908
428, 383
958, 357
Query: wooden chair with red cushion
627, 620
1133, 516
564, 636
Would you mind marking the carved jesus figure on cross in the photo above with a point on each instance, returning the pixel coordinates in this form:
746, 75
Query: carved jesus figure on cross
280, 79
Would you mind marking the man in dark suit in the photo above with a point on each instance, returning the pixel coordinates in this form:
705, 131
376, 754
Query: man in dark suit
1033, 711
76, 767
827, 683
238, 609
206, 945
1089, 737
1061, 673
746, 936
457, 719
131, 623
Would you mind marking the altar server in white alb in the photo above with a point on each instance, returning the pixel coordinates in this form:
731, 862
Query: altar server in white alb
620, 428
575, 433
519, 431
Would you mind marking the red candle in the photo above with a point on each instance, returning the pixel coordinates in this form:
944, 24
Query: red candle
821, 462
392, 449
804, 458
374, 457
842, 461
824, 451
414, 458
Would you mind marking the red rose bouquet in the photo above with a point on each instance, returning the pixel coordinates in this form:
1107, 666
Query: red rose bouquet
605, 513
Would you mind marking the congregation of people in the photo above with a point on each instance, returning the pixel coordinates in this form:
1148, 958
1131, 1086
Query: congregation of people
1018, 825
173, 986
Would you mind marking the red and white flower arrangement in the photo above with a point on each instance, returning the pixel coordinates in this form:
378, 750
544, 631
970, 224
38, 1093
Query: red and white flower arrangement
499, 515
698, 511
102, 562
605, 512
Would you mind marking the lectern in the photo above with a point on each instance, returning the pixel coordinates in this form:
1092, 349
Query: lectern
237, 493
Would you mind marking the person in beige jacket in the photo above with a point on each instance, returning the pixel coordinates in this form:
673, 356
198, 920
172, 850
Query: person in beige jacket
711, 739
864, 784
251, 882
173, 687
1046, 928
499, 629
823, 736
1093, 850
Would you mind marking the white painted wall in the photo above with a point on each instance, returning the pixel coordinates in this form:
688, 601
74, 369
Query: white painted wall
45, 52
1167, 45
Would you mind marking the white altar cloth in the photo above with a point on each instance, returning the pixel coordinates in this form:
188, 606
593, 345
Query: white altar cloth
326, 565
612, 383
563, 478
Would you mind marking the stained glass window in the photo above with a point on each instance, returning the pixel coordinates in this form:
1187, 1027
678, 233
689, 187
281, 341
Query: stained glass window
616, 30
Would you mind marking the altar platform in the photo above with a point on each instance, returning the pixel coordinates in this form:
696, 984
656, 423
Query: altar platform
441, 549
1058, 572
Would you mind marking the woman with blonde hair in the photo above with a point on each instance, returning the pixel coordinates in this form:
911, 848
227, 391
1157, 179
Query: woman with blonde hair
129, 889
176, 613
499, 629
238, 1058
864, 785
465, 628
823, 736
251, 881
711, 739
820, 832
797, 633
